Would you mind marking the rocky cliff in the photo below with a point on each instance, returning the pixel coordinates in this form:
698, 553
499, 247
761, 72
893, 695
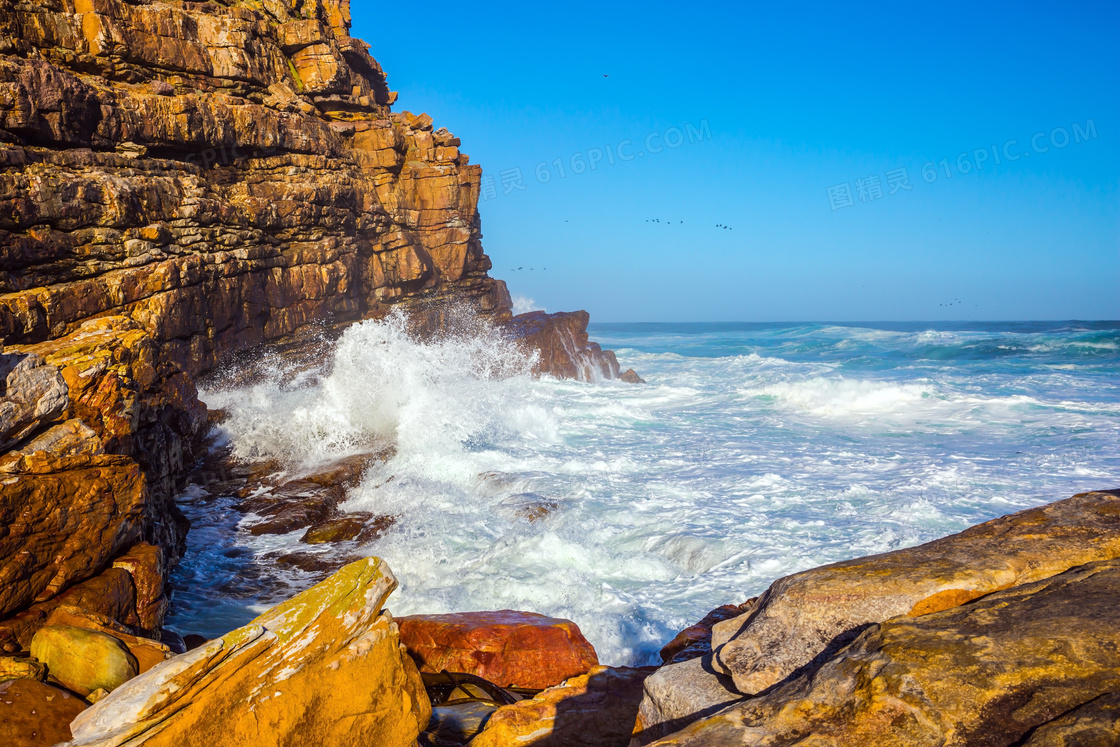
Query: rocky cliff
181, 181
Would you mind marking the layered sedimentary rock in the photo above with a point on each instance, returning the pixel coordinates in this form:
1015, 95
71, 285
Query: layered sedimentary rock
1030, 665
223, 175
179, 182
326, 667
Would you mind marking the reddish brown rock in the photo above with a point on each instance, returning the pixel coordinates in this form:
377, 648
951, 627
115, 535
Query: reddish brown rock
696, 640
560, 340
64, 520
144, 562
511, 649
630, 376
34, 714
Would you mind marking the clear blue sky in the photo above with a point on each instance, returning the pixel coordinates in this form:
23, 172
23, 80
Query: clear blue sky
797, 98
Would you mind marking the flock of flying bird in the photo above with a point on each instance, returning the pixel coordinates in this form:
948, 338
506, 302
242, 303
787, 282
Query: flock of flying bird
669, 223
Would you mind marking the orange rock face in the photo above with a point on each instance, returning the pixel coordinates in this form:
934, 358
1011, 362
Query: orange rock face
511, 649
180, 182
74, 515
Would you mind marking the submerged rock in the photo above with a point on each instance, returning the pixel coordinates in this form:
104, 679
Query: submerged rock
1022, 666
596, 709
814, 613
34, 714
510, 649
324, 668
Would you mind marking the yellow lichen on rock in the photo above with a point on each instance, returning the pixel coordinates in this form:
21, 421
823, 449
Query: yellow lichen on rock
324, 668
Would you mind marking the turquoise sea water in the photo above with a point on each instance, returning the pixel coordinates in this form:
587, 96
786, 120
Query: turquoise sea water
754, 451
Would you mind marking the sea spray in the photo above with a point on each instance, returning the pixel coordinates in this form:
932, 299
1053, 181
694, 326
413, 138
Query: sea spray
753, 453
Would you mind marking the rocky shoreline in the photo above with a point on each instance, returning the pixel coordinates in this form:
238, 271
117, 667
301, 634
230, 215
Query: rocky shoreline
187, 184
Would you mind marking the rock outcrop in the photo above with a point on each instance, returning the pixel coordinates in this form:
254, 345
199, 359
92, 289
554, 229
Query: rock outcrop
561, 342
510, 649
1028, 665
326, 667
810, 614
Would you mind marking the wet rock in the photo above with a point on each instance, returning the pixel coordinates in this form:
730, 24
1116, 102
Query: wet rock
83, 660
510, 649
34, 714
347, 472
995, 671
358, 526
593, 710
317, 564
458, 723
696, 640
294, 505
814, 613
630, 376
561, 344
326, 663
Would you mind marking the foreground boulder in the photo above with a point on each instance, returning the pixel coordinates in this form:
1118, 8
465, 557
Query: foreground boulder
324, 668
593, 710
816, 612
84, 660
510, 649
1030, 663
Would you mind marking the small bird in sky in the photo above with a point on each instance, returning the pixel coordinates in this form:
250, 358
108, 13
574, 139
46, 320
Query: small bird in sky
605, 75
519, 268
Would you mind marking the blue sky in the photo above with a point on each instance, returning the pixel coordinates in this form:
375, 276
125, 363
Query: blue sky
785, 102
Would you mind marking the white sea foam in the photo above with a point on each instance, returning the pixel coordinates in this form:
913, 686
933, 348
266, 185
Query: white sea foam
633, 510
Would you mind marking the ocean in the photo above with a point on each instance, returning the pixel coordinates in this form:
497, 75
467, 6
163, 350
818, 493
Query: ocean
752, 452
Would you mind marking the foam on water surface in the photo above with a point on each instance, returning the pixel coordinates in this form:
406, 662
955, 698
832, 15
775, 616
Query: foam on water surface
755, 451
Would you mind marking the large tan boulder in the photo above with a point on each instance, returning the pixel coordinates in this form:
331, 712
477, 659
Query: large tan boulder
812, 613
1025, 663
84, 660
324, 668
